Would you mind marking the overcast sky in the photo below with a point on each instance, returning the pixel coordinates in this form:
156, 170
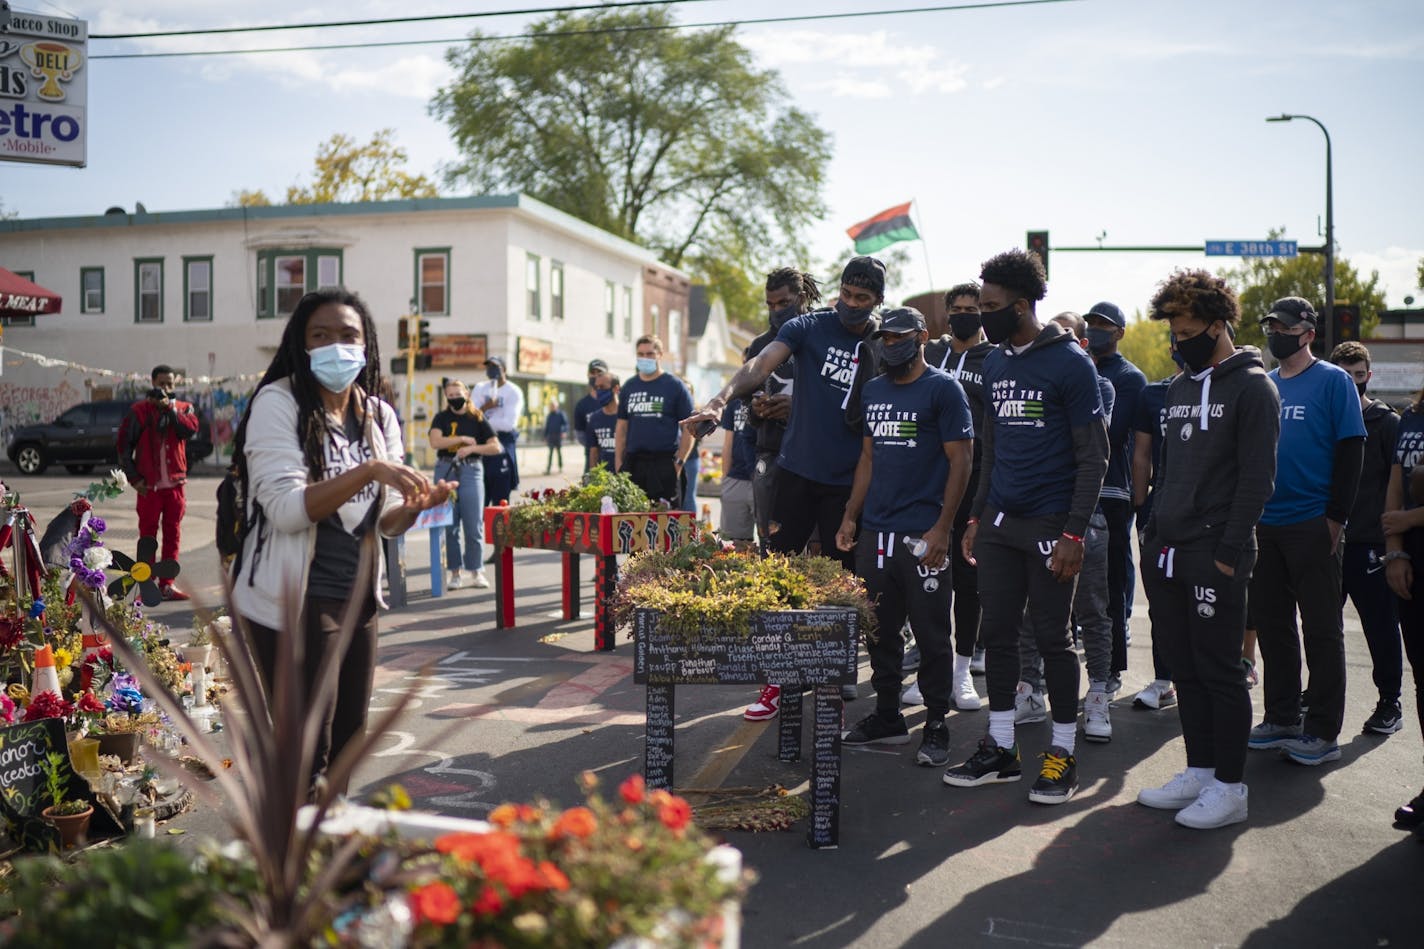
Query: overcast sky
1143, 119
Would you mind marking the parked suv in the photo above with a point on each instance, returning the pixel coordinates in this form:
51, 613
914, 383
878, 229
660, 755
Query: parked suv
83, 437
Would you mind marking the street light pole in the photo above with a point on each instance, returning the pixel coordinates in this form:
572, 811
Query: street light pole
1329, 217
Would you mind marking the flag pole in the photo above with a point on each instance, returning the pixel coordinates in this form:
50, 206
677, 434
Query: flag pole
925, 247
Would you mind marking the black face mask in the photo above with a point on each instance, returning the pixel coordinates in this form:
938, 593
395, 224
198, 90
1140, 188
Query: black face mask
457, 405
1360, 388
965, 326
899, 357
853, 319
999, 325
779, 318
1283, 346
1100, 340
1197, 351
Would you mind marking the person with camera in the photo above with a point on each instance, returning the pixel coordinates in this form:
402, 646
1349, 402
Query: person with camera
153, 453
458, 434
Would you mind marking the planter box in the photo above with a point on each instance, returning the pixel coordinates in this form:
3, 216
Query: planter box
793, 648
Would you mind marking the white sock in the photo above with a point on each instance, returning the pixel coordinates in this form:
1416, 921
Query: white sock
1204, 776
1097, 686
1001, 728
1238, 788
1065, 735
961, 666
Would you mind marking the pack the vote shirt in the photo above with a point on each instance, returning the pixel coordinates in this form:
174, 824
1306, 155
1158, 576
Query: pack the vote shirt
1409, 451
652, 409
601, 430
818, 444
907, 425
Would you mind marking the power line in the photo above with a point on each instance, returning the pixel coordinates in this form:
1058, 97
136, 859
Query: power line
388, 21
553, 34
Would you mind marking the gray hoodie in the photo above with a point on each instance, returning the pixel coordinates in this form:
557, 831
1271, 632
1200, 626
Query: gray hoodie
1218, 457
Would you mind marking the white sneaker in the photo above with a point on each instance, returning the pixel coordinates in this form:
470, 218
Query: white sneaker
480, 580
457, 580
965, 697
1029, 706
1216, 806
911, 695
766, 706
1097, 720
1182, 790
1158, 694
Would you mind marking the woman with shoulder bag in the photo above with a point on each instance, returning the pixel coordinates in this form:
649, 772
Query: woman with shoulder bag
458, 434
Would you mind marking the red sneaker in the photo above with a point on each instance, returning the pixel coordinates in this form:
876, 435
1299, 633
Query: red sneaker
171, 592
766, 706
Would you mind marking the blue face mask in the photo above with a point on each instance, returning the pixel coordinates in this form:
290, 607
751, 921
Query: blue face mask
647, 366
1101, 340
604, 396
336, 366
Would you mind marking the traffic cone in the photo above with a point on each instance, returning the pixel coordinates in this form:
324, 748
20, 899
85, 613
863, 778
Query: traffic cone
46, 678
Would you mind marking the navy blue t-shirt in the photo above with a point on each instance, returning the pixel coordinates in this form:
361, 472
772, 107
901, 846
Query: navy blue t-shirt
907, 426
602, 433
1319, 408
818, 444
1150, 417
652, 410
1409, 451
1035, 400
744, 436
584, 408
1127, 383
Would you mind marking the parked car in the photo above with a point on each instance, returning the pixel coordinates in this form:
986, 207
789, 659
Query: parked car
83, 437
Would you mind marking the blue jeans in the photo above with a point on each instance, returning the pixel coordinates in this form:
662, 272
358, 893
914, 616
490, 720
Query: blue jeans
689, 490
469, 474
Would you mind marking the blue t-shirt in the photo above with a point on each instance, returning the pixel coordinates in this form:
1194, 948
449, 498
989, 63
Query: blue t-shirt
652, 410
907, 426
601, 432
1319, 408
818, 444
584, 408
1035, 400
1127, 383
1150, 417
736, 421
1409, 451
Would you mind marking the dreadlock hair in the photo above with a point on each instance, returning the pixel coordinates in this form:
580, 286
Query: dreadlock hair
970, 289
292, 363
1019, 271
800, 283
1197, 293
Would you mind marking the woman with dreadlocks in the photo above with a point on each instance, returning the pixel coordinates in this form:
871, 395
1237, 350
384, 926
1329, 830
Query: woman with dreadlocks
320, 457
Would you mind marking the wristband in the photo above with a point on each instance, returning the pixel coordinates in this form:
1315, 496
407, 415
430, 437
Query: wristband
972, 520
1396, 555
1073, 537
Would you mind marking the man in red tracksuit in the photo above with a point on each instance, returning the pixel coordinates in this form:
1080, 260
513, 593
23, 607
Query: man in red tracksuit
153, 452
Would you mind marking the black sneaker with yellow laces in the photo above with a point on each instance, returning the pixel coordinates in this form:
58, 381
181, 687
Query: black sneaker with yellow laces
1057, 780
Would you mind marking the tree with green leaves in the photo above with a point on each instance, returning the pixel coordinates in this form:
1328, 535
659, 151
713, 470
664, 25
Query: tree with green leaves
671, 138
1147, 345
347, 171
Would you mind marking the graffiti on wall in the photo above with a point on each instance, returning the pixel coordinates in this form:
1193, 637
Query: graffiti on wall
22, 405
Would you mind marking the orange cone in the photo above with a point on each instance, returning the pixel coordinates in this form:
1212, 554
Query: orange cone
46, 678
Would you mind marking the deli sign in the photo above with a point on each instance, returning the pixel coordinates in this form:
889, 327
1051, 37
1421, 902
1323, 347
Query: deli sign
44, 88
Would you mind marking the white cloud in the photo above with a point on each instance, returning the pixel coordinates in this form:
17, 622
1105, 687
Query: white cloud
843, 87
867, 65
1398, 269
989, 85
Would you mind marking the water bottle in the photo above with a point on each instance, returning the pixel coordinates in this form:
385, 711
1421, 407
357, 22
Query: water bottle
917, 546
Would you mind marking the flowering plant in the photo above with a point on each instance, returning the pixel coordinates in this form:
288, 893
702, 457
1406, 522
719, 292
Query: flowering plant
48, 704
543, 510
108, 489
586, 876
87, 555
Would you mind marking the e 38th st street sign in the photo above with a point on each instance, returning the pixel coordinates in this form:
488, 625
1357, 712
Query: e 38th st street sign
1252, 249
43, 88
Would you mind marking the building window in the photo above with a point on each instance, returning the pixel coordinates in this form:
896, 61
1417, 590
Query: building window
148, 291
608, 315
91, 290
198, 289
628, 314
531, 284
556, 290
674, 333
285, 276
20, 320
656, 329
432, 280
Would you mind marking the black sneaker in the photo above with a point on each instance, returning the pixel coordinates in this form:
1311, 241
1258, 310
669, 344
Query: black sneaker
934, 745
874, 730
989, 765
1411, 814
1058, 780
1387, 718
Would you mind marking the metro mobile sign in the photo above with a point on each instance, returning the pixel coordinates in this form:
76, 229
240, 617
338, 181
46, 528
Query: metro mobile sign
43, 88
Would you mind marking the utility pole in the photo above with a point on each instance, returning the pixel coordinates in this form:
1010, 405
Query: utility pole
1329, 314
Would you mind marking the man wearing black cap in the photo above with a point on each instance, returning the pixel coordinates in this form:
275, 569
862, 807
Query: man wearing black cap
503, 405
914, 463
1106, 325
588, 405
1318, 461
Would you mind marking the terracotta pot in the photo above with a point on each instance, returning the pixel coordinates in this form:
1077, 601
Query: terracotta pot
125, 745
71, 827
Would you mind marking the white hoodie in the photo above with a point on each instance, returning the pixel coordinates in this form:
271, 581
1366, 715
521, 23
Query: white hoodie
277, 479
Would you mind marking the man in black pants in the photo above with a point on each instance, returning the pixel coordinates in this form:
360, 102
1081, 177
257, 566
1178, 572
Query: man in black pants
648, 443
1218, 464
1362, 567
1044, 455
914, 465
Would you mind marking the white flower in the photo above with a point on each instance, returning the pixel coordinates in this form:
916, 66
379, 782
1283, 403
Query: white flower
118, 477
98, 558
223, 624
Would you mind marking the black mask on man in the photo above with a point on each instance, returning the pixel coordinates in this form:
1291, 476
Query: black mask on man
1197, 351
457, 404
781, 317
899, 357
965, 326
1284, 346
999, 325
853, 318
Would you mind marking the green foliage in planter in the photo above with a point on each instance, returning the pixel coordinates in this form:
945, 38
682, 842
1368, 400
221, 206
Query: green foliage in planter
706, 586
543, 511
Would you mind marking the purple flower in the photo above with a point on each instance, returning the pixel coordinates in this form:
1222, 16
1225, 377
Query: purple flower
97, 525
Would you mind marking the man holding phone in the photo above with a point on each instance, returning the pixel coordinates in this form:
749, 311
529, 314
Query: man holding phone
153, 453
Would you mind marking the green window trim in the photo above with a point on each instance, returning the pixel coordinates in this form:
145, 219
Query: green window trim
188, 316
84, 306
266, 293
139, 264
418, 288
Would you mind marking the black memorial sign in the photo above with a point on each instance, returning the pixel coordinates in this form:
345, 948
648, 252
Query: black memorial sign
790, 647
24, 793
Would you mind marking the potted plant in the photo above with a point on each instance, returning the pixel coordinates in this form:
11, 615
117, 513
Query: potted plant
119, 733
200, 641
70, 817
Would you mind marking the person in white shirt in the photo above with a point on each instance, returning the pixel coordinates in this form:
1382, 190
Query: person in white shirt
503, 405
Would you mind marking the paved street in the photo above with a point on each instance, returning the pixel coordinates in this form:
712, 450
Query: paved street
508, 714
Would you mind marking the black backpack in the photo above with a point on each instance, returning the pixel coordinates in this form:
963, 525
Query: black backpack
232, 523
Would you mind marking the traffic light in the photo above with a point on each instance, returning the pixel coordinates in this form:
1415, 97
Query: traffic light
424, 342
402, 335
1038, 243
1344, 323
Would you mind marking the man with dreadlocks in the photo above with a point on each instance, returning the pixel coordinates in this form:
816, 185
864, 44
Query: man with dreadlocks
320, 457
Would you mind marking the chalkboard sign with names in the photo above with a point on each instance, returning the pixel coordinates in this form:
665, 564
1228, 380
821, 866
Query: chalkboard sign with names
24, 793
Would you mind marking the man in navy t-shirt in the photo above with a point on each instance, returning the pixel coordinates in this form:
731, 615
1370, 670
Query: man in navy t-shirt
650, 446
1044, 455
915, 459
601, 430
1318, 459
588, 404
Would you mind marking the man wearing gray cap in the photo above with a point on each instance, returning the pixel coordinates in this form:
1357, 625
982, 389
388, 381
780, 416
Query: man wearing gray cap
1318, 460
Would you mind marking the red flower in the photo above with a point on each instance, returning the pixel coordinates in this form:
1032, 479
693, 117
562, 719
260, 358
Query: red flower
675, 814
436, 903
12, 631
574, 822
549, 493
87, 703
488, 902
632, 789
504, 816
492, 850
518, 877
47, 705
554, 878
